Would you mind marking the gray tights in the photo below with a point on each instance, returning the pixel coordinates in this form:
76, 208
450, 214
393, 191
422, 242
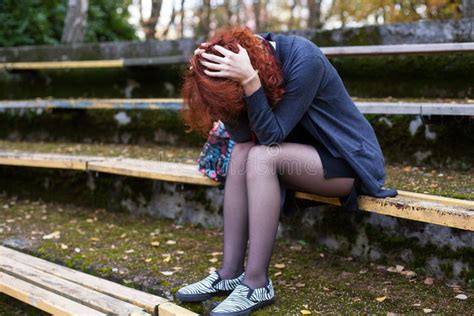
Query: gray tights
252, 201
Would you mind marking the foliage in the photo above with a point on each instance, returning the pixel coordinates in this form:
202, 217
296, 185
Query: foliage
36, 22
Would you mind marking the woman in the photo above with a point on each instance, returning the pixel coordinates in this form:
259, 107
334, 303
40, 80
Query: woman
295, 127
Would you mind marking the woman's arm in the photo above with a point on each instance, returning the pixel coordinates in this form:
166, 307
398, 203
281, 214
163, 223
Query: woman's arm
302, 83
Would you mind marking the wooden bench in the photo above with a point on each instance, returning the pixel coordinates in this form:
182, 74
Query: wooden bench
370, 107
339, 51
427, 208
60, 290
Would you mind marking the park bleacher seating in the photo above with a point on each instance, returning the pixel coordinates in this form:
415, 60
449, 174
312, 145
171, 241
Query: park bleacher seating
449, 212
60, 290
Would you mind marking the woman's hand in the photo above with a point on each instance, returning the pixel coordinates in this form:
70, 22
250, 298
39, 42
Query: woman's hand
199, 50
232, 65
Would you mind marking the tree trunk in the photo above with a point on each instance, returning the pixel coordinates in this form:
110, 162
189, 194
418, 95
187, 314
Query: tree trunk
181, 19
257, 9
149, 25
205, 18
172, 18
314, 18
75, 21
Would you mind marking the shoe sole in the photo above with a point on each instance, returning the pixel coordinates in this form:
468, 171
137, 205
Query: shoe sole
247, 311
199, 297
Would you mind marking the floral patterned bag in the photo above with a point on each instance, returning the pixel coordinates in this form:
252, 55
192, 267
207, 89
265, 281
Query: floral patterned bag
215, 154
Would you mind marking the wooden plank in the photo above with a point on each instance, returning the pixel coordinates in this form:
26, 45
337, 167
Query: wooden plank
422, 207
156, 170
403, 49
42, 299
145, 300
438, 199
68, 289
170, 309
118, 104
366, 107
73, 64
410, 208
45, 160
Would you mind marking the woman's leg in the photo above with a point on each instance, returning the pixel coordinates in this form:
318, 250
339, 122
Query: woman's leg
235, 213
299, 167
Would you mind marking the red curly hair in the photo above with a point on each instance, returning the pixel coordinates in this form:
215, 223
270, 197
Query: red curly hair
207, 99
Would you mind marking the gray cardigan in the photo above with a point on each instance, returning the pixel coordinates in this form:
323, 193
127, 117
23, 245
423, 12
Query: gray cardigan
316, 97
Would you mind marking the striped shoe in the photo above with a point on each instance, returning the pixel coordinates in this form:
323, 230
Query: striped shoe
211, 285
243, 300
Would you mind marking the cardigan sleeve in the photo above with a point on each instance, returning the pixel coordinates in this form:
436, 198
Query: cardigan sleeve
302, 83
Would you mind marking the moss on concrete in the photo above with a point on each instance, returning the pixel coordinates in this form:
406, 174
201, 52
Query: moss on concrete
312, 279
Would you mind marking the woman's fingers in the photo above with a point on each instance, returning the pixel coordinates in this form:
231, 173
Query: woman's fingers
215, 73
213, 65
213, 57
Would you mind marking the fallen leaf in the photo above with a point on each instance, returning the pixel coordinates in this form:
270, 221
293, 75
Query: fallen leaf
129, 251
216, 253
408, 274
180, 252
56, 234
321, 255
278, 274
300, 284
279, 265
77, 249
148, 260
305, 312
363, 271
123, 235
155, 243
399, 268
325, 288
428, 281
461, 296
167, 272
427, 310
392, 269
64, 246
296, 247
94, 238
381, 299
171, 242
213, 260
167, 259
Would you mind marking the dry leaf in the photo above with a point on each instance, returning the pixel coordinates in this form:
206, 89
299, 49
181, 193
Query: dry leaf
216, 253
278, 274
399, 268
171, 242
77, 249
392, 269
461, 296
427, 310
428, 281
167, 272
129, 251
180, 252
56, 234
381, 299
408, 274
155, 243
94, 238
279, 265
325, 288
148, 260
64, 246
300, 284
123, 235
213, 260
167, 259
305, 312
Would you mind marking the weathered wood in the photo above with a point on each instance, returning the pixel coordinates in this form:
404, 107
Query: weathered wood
45, 160
406, 49
416, 206
68, 289
367, 107
170, 309
417, 209
156, 170
42, 299
338, 51
145, 300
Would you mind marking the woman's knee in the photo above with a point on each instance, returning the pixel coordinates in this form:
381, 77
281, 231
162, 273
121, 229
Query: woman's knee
261, 160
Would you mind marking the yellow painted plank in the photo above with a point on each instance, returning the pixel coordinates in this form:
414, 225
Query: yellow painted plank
409, 208
436, 198
157, 170
42, 299
113, 63
145, 300
68, 289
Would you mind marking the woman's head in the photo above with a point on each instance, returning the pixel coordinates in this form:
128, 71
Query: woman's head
207, 99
